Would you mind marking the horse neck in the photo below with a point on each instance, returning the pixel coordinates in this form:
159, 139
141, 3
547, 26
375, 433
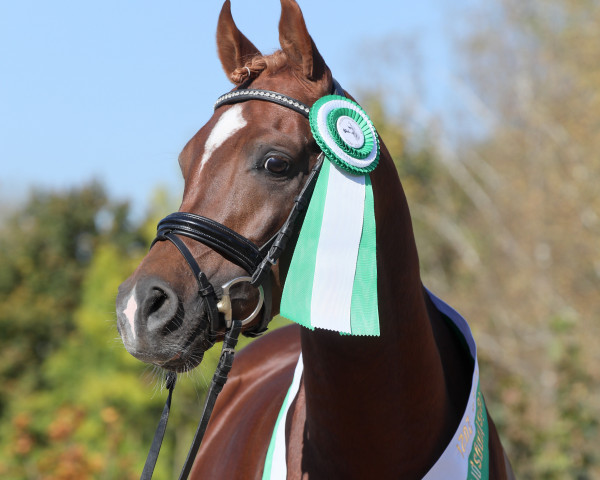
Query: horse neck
379, 391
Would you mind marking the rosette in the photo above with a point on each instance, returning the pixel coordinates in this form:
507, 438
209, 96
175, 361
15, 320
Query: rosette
345, 134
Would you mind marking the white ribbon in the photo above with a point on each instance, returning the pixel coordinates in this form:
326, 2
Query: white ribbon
338, 250
277, 469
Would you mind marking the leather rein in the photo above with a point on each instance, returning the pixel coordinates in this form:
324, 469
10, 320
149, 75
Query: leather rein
256, 261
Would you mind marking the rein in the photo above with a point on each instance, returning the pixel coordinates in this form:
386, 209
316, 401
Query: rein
257, 261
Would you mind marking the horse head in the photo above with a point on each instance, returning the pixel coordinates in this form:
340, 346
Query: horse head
243, 171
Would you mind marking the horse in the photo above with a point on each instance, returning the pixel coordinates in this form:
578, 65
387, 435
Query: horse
387, 406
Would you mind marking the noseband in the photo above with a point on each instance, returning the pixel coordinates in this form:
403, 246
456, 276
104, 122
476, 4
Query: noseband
236, 248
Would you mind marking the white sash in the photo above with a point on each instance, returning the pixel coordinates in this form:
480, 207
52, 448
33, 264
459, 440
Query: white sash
466, 456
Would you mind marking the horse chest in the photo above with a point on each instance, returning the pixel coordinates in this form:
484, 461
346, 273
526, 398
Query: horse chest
238, 436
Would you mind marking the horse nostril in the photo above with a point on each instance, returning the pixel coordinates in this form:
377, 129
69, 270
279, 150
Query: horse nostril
156, 300
159, 307
160, 314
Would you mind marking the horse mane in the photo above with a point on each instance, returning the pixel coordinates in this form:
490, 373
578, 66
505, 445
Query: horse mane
271, 64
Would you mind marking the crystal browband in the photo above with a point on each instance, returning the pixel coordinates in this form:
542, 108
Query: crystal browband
245, 94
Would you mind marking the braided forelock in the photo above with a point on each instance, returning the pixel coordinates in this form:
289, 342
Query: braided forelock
271, 64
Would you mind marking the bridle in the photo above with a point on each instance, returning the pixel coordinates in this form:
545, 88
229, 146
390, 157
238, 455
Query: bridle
256, 261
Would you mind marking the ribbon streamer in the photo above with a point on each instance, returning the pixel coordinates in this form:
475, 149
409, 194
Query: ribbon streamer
332, 280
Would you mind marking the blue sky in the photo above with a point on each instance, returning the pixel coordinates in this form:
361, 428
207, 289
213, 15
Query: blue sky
113, 89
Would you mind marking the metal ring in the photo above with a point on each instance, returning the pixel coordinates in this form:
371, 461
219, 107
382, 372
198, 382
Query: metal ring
224, 305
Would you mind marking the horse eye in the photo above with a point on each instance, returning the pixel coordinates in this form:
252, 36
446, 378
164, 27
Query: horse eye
277, 165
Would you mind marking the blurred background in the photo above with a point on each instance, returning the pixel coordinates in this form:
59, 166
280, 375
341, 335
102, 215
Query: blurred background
490, 108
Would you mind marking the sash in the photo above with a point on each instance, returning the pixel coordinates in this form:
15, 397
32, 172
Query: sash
466, 456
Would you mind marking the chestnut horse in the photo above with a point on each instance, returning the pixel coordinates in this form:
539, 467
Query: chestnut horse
367, 407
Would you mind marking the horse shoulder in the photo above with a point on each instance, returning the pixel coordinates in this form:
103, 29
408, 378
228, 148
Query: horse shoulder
240, 429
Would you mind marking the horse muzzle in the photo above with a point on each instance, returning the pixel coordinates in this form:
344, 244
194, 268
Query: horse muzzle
171, 325
158, 326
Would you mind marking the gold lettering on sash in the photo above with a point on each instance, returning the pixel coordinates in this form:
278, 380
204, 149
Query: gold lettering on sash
476, 472
464, 437
476, 459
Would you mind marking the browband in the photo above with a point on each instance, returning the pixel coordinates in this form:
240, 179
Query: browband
266, 95
243, 94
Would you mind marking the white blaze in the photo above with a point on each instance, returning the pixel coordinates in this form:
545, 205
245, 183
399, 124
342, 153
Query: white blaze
129, 312
229, 123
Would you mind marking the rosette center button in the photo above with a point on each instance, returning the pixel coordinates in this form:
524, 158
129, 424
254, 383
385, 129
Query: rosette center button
350, 132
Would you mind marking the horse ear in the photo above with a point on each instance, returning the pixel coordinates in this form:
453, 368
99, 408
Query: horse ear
233, 46
296, 42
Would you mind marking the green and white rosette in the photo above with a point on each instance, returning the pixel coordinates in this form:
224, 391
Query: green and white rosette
332, 280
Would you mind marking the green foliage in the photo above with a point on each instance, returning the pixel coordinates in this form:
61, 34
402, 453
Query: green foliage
44, 251
75, 404
83, 408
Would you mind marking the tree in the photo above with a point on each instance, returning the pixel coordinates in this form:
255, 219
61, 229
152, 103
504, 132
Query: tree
533, 65
61, 256
44, 250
